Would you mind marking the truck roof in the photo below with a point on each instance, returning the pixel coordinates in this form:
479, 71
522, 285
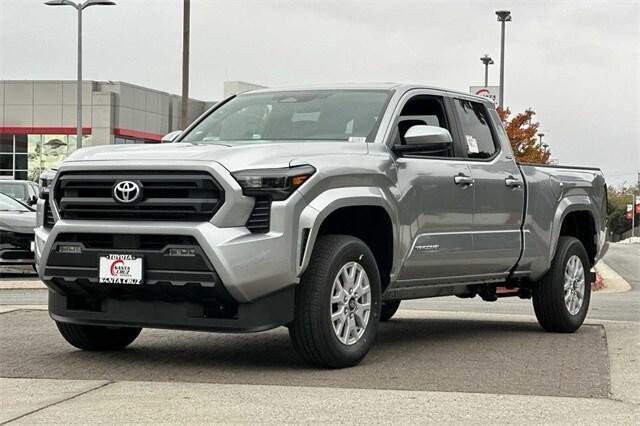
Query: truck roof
403, 87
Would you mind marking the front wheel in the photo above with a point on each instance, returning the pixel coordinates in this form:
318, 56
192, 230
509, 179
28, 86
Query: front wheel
561, 298
97, 337
337, 304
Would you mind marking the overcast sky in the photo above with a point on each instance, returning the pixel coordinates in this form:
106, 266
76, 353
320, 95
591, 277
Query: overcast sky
576, 63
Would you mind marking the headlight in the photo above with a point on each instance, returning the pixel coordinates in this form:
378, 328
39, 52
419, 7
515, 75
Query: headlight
45, 180
278, 183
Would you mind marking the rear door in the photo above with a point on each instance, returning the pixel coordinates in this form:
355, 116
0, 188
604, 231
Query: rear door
499, 189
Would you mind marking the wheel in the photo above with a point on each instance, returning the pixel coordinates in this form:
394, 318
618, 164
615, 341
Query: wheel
561, 298
97, 338
337, 303
389, 309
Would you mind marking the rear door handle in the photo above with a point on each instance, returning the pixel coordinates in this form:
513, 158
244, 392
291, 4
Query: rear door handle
512, 182
464, 180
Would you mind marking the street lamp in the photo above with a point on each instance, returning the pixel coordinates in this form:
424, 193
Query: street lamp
79, 7
540, 135
486, 60
503, 17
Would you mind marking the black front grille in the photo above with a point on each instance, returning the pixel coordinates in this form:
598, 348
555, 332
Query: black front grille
260, 216
161, 263
126, 241
166, 195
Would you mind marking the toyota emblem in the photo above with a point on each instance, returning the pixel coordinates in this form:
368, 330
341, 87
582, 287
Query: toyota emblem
127, 191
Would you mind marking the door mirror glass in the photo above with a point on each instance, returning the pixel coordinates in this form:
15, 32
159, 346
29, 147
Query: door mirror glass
427, 135
171, 137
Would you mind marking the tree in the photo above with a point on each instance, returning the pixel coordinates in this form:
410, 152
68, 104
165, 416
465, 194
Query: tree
522, 133
618, 198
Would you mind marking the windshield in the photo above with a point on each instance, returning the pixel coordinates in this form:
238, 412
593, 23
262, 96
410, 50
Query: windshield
15, 190
9, 204
326, 115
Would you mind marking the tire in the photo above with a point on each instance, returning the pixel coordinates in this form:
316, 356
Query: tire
549, 293
389, 309
97, 338
318, 339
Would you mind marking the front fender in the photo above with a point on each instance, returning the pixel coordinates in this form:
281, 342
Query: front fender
328, 202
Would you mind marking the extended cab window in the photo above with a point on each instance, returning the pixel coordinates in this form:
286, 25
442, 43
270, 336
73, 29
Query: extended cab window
423, 110
474, 120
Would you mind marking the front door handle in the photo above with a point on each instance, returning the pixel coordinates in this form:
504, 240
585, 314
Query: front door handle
512, 182
463, 180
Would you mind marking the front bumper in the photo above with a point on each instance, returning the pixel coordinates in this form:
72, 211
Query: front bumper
237, 281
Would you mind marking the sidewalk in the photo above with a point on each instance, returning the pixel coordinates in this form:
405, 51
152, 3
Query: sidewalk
88, 402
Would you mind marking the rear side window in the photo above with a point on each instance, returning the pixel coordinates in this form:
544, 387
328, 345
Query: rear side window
474, 119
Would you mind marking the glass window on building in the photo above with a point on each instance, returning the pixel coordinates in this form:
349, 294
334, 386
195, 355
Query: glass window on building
24, 157
6, 155
127, 141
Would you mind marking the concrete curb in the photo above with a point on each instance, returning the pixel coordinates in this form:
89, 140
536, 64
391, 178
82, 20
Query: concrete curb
613, 282
22, 285
11, 308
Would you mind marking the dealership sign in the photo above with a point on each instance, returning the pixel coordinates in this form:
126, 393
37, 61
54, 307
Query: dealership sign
490, 92
630, 209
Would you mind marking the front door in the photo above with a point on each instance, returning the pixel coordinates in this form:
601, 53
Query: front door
436, 203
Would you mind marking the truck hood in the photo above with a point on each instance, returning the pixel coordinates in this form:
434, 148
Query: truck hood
240, 156
18, 221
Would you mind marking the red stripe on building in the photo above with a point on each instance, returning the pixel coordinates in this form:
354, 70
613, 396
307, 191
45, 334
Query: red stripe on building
43, 130
72, 131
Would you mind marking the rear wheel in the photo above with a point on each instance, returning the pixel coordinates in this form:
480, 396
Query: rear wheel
96, 337
561, 298
337, 304
388, 310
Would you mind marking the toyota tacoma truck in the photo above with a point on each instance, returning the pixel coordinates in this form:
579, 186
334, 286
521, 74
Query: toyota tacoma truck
318, 209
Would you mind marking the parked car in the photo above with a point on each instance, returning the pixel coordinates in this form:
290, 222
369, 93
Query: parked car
316, 209
17, 221
22, 190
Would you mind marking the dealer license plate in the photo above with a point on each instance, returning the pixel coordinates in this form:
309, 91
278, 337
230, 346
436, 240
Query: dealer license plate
120, 269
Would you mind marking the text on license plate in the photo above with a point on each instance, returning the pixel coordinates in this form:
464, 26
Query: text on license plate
120, 269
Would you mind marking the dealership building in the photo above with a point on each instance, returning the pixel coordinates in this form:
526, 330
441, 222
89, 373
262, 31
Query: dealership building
38, 119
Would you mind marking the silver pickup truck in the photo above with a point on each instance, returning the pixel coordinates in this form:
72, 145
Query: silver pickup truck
319, 209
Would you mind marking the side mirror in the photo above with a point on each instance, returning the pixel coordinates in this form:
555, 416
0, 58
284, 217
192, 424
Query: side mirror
425, 138
427, 135
32, 201
170, 137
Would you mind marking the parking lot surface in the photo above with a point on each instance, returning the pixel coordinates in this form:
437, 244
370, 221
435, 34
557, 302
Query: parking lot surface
413, 352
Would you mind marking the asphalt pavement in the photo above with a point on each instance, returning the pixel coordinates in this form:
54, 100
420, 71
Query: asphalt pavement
439, 360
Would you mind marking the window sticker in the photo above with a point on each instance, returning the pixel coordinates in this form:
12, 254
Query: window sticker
472, 145
357, 139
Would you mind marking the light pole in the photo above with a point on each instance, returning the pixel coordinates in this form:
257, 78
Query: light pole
186, 28
79, 7
540, 136
503, 17
486, 60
